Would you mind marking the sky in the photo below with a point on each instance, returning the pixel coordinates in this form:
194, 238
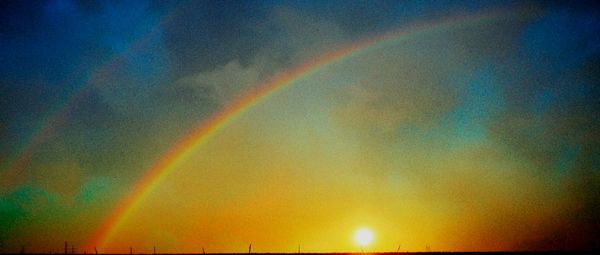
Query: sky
458, 125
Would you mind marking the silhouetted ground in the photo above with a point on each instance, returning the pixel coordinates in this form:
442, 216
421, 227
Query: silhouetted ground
356, 253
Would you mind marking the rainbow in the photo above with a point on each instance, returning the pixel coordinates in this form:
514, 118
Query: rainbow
208, 128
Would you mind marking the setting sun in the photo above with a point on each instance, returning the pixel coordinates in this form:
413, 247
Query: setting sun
363, 236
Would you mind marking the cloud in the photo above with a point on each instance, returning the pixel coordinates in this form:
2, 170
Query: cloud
476, 91
283, 38
393, 95
224, 82
300, 36
419, 81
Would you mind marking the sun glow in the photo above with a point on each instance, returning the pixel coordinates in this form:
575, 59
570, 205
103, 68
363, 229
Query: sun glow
363, 237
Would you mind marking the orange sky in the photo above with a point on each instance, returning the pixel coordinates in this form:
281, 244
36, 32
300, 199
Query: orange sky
279, 177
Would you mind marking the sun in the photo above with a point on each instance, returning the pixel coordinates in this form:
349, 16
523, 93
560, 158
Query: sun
363, 237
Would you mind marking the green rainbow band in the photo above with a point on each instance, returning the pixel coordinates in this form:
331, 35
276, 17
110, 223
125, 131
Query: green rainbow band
199, 135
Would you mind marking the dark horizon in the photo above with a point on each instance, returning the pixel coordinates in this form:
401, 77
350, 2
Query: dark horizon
343, 253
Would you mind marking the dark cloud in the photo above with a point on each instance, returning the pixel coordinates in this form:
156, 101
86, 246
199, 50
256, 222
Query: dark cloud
551, 115
204, 34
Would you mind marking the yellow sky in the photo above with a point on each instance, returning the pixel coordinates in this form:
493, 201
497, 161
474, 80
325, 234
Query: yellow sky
290, 173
